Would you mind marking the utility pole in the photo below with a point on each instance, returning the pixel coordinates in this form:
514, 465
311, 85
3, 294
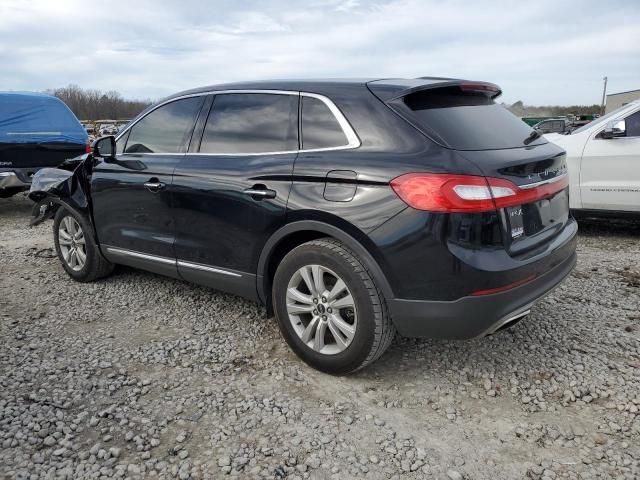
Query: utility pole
604, 94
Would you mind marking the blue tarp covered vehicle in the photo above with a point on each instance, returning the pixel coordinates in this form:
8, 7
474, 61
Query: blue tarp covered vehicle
36, 131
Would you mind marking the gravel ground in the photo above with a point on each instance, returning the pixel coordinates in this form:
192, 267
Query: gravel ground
143, 376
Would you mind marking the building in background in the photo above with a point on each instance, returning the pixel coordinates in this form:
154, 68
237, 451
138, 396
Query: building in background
616, 100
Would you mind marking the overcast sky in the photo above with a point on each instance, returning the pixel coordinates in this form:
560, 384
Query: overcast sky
538, 51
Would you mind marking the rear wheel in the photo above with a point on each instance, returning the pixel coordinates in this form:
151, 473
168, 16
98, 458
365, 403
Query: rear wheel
76, 248
329, 309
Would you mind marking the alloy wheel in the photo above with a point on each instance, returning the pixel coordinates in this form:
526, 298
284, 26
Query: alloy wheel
72, 243
321, 309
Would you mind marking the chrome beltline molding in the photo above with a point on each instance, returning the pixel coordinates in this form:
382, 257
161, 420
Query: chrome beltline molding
170, 261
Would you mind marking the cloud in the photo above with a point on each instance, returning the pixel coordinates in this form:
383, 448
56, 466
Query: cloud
543, 52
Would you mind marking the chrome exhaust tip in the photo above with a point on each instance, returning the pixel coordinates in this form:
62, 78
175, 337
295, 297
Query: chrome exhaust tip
509, 322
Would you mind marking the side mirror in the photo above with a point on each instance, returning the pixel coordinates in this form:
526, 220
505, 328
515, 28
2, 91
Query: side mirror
105, 147
615, 128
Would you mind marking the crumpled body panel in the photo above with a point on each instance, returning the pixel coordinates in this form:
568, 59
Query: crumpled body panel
66, 185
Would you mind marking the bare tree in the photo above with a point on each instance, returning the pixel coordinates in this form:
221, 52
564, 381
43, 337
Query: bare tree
522, 110
90, 104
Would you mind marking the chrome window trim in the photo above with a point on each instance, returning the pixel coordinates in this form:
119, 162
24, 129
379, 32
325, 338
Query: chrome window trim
170, 261
254, 154
543, 182
144, 154
352, 138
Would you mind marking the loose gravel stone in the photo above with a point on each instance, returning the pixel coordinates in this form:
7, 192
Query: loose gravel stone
140, 376
454, 475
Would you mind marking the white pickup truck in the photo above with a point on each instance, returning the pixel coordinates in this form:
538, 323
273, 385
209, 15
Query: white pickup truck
603, 158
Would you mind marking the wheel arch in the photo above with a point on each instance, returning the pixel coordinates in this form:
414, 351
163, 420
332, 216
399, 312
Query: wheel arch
56, 204
55, 187
299, 232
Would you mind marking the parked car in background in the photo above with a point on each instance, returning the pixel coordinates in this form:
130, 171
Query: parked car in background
36, 131
603, 158
352, 209
553, 125
578, 121
531, 121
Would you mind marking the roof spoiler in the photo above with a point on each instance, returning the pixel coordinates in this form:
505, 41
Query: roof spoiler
390, 90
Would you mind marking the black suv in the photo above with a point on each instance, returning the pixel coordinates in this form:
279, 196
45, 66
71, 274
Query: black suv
351, 209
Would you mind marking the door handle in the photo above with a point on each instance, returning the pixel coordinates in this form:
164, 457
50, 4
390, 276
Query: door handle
259, 192
154, 186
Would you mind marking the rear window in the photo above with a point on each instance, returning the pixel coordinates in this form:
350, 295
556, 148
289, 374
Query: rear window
320, 128
466, 120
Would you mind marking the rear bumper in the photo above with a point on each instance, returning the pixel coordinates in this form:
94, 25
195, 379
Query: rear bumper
16, 177
470, 317
12, 179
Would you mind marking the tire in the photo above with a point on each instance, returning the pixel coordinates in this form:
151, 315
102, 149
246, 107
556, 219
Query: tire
72, 232
352, 336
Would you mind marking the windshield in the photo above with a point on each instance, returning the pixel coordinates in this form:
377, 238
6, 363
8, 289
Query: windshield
599, 120
468, 120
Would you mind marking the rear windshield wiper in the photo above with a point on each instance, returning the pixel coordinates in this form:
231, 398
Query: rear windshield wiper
535, 134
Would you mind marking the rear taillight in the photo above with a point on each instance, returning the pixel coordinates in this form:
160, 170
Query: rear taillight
439, 192
87, 148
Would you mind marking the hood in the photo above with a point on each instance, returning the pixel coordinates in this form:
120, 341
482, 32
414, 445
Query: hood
553, 137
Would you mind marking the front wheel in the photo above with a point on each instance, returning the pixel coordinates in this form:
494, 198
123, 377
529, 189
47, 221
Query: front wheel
76, 247
329, 308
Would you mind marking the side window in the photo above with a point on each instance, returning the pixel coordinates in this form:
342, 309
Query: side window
251, 123
320, 128
121, 142
633, 125
167, 129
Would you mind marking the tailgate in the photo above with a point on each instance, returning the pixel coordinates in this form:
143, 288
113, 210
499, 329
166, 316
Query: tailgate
540, 174
528, 173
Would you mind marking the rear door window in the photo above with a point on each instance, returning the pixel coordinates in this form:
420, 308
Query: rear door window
466, 120
251, 123
167, 129
320, 128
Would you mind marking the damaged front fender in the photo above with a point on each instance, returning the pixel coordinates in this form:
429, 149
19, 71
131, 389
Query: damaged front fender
66, 185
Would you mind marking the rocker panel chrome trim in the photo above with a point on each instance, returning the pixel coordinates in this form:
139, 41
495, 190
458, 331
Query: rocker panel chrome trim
170, 261
206, 268
144, 256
